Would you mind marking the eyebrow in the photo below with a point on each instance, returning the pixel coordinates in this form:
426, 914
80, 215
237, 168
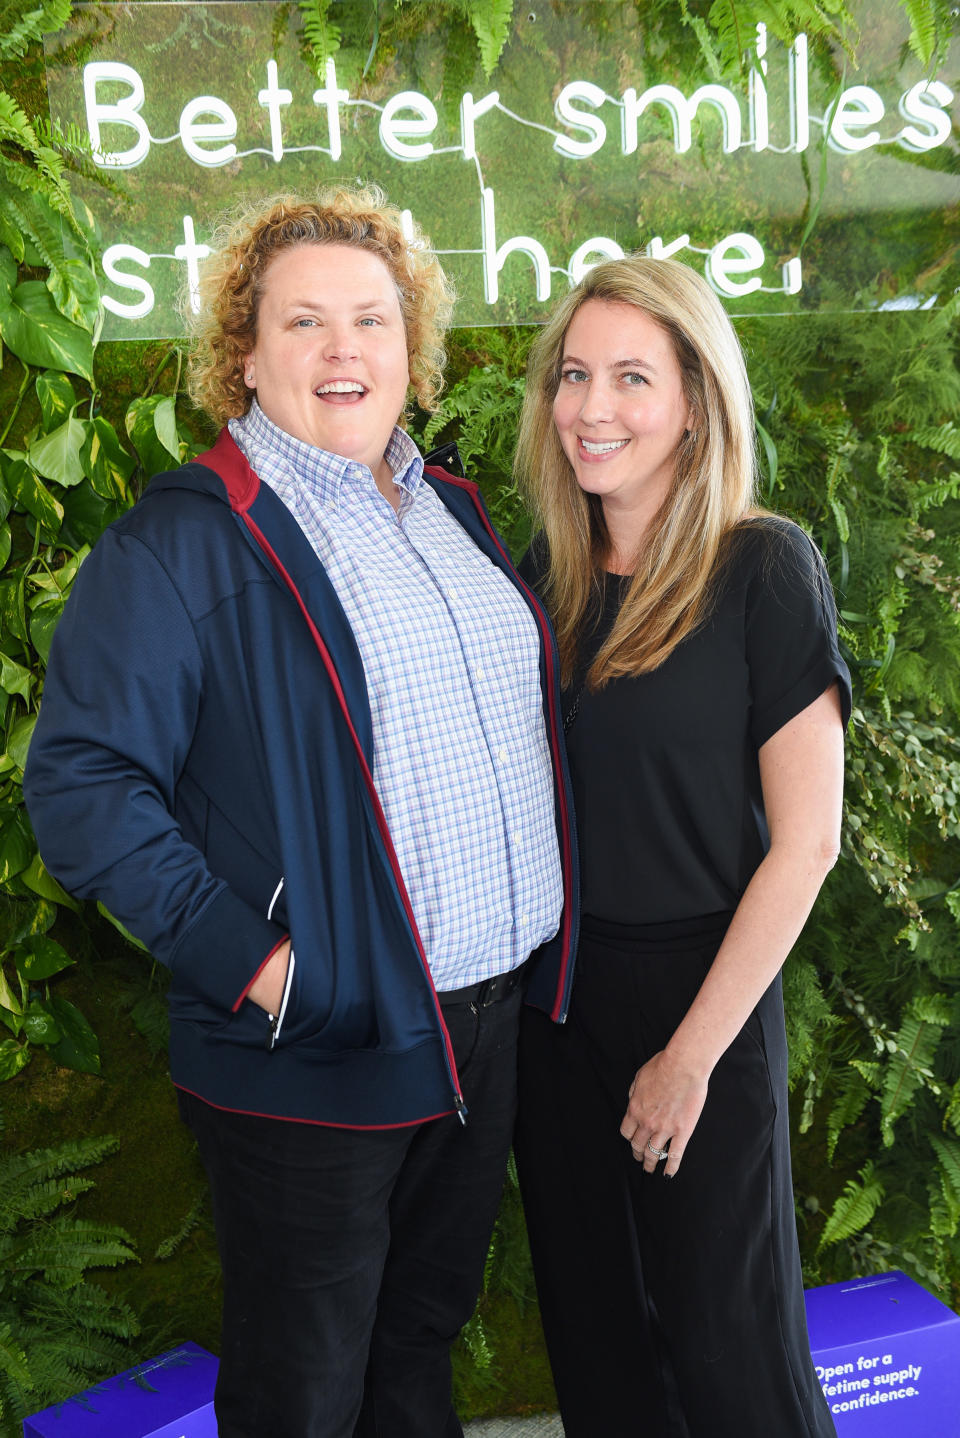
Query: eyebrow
307, 304
623, 364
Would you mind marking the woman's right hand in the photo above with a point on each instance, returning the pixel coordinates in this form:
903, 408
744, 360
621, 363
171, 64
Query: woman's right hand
267, 988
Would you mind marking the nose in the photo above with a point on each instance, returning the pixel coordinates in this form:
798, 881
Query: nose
596, 406
341, 342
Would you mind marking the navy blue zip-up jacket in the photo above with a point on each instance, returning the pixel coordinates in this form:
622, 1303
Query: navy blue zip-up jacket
204, 741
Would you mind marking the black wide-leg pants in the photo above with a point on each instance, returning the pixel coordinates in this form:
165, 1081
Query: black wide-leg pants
351, 1259
672, 1307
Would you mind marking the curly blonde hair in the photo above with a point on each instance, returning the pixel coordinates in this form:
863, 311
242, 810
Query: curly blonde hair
232, 282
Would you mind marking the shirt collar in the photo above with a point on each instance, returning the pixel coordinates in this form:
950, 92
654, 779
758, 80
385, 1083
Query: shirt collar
288, 463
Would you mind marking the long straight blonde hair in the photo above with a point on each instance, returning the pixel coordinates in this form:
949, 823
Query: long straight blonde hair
713, 487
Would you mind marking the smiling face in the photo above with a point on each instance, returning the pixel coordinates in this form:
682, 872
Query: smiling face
330, 363
620, 409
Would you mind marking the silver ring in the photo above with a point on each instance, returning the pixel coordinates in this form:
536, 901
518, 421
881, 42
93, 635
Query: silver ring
658, 1153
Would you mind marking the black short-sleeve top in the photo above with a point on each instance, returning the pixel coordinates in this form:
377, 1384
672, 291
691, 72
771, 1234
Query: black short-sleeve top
664, 766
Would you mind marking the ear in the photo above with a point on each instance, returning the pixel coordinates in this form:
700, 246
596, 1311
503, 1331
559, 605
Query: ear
250, 370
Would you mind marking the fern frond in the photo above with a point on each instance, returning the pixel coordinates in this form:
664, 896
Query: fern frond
67, 1247
168, 1246
909, 1064
28, 29
868, 1070
943, 438
17, 130
491, 21
21, 1174
855, 1207
952, 1114
732, 37
948, 1153
853, 1093
319, 31
923, 29
704, 39
13, 1360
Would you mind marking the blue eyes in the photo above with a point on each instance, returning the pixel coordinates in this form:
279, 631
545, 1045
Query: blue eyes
632, 379
368, 321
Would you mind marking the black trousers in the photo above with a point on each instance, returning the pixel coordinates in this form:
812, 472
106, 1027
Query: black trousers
672, 1307
352, 1259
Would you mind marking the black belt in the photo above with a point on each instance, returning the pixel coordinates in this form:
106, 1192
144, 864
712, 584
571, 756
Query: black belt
487, 991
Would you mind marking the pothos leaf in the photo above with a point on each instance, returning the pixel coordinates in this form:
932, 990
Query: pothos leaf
13, 1057
78, 1047
40, 957
38, 333
57, 455
56, 396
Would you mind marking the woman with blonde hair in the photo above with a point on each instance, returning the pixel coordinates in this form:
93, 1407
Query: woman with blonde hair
704, 703
299, 734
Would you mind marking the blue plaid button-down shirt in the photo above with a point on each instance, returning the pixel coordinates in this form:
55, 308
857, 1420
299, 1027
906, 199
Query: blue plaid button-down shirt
450, 653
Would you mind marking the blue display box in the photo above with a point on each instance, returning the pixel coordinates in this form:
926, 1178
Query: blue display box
887, 1354
170, 1396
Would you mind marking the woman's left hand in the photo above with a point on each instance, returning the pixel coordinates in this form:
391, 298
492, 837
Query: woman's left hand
666, 1100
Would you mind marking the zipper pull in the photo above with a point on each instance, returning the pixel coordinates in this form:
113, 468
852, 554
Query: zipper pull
272, 1031
461, 1108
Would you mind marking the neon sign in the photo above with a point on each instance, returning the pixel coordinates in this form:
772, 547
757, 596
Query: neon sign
471, 166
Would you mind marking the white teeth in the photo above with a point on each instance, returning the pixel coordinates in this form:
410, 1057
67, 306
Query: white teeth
592, 447
341, 386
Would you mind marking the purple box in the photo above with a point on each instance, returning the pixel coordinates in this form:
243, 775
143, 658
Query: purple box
887, 1354
170, 1396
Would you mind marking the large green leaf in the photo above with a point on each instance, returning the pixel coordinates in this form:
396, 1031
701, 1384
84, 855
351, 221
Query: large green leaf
39, 879
42, 627
14, 678
31, 494
13, 1057
152, 425
6, 543
165, 425
13, 618
16, 848
78, 1047
86, 515
76, 293
8, 272
38, 333
105, 462
19, 741
121, 929
40, 958
57, 455
56, 396
6, 499
11, 235
25, 919
9, 1001
39, 1025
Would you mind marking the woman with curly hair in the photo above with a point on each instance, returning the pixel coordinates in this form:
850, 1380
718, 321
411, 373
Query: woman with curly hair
704, 702
300, 734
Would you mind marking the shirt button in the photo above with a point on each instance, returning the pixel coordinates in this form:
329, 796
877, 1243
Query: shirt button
516, 839
502, 755
479, 673
524, 918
